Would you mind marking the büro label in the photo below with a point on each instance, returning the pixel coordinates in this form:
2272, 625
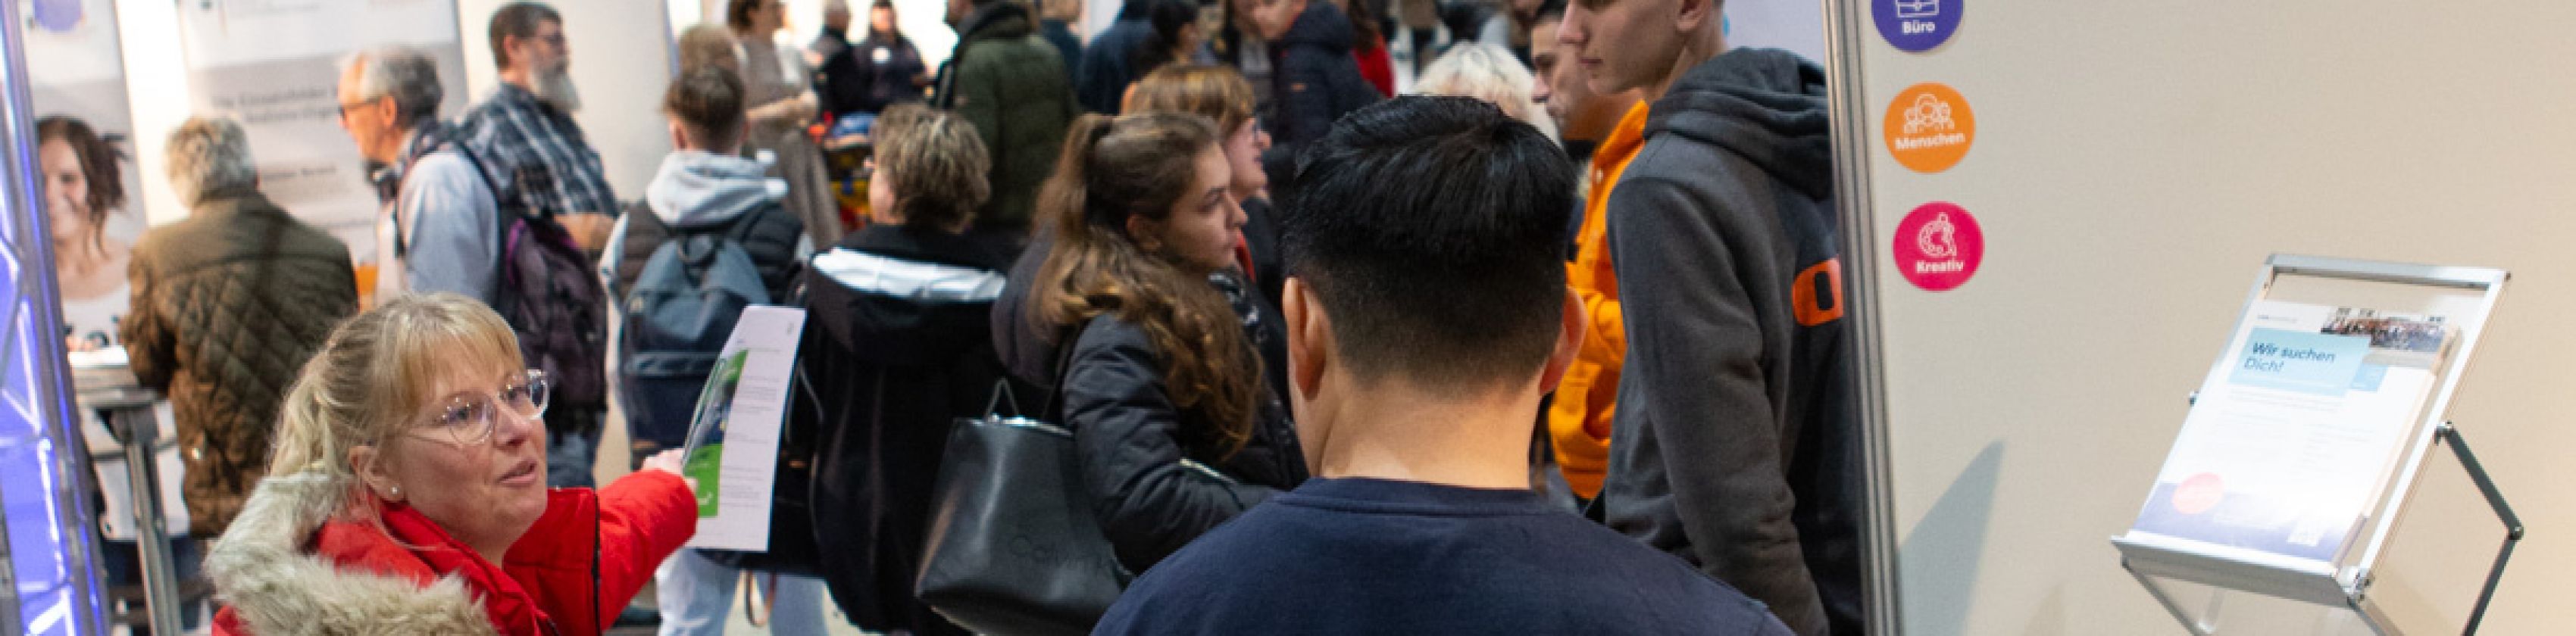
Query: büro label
1915, 26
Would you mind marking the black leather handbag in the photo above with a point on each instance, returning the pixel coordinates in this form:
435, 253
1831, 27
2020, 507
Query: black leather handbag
1014, 546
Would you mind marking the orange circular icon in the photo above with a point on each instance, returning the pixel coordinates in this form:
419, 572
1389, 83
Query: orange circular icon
1929, 127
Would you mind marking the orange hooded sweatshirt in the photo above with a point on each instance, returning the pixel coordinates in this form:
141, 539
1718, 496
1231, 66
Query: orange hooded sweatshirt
1578, 421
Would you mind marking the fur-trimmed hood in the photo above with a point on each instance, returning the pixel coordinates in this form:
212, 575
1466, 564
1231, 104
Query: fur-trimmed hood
275, 586
288, 567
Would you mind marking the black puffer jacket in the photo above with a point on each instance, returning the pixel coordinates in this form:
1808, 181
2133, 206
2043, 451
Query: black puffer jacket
1317, 80
1131, 443
228, 305
896, 349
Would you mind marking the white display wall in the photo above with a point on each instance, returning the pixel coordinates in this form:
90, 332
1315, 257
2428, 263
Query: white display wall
2131, 166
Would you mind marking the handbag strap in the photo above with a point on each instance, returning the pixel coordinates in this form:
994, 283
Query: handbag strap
1063, 371
1002, 393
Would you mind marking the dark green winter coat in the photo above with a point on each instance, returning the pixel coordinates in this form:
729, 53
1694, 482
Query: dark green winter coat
1010, 82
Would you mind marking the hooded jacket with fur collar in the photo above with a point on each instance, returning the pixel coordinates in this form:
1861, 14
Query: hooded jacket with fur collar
291, 565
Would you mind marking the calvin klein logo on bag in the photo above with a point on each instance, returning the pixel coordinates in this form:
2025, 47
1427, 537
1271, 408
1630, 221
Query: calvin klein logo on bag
1031, 543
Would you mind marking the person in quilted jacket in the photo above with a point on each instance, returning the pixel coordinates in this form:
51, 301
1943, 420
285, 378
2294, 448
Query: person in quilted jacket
228, 304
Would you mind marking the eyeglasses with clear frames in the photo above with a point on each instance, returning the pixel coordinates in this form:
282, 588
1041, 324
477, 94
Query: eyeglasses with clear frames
471, 419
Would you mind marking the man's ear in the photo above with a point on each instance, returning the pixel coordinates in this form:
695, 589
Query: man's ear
1569, 341
386, 110
1694, 12
512, 45
679, 136
1310, 338
368, 463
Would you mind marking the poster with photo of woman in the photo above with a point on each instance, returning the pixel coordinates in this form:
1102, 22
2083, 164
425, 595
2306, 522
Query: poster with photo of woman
91, 186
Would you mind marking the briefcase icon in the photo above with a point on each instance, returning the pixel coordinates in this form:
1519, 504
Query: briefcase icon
1918, 8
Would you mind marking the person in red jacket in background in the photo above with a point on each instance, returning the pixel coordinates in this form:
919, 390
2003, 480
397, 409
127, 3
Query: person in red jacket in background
1376, 64
407, 494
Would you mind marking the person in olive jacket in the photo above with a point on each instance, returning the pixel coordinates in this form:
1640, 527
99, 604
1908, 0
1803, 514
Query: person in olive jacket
1010, 83
228, 305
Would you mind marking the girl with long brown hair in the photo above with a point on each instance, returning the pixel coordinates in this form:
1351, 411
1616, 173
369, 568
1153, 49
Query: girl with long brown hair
1163, 391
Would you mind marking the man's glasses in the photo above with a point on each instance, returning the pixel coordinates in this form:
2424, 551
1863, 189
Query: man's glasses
471, 419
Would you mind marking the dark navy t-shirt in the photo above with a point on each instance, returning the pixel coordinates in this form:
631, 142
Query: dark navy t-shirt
1367, 556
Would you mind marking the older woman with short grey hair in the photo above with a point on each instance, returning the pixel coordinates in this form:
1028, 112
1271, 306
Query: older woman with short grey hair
1487, 72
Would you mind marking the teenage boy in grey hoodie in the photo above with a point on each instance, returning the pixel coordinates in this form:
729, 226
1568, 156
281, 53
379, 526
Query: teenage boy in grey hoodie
705, 185
1734, 446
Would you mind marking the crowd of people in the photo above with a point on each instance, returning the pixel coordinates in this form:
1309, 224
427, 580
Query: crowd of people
1552, 344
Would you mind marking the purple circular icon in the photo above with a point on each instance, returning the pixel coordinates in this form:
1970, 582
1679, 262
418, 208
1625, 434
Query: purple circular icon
58, 16
1916, 26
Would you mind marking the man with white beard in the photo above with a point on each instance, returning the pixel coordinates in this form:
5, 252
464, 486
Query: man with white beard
540, 166
528, 122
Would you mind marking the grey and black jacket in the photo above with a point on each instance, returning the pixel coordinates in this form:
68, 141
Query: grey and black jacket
1735, 446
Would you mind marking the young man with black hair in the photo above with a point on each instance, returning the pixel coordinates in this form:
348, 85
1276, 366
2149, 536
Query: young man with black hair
1423, 326
1734, 444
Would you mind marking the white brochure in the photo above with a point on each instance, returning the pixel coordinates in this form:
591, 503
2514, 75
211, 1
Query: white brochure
733, 439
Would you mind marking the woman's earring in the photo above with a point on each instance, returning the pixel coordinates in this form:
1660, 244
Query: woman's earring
397, 493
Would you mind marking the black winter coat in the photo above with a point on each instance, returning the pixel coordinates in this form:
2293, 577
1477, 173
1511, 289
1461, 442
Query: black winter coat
1101, 78
869, 76
1131, 443
1317, 80
895, 349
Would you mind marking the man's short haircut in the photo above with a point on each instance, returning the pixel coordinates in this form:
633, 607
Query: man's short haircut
404, 74
738, 14
708, 104
209, 157
518, 20
1549, 10
1432, 230
707, 46
937, 164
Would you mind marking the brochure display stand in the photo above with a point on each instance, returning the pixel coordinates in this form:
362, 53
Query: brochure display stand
2305, 444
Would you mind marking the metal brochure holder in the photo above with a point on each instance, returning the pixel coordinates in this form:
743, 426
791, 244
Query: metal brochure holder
2338, 593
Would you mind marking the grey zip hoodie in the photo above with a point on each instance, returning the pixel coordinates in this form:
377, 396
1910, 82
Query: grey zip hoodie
1733, 446
697, 189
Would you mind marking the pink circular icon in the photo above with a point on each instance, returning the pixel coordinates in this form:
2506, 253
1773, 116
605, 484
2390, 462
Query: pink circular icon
1938, 246
2200, 493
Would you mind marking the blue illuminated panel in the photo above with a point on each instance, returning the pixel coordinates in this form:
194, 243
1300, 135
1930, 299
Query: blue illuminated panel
44, 496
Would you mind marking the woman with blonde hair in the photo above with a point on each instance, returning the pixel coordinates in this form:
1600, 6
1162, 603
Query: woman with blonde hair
407, 494
899, 318
1488, 72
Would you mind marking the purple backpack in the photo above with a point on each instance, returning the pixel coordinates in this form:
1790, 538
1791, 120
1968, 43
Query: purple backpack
549, 294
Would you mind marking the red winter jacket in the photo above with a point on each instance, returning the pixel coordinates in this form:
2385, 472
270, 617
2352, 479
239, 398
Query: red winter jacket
569, 575
1376, 64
